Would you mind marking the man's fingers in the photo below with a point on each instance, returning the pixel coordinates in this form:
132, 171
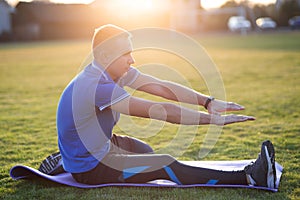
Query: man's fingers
220, 107
242, 118
251, 118
234, 106
229, 119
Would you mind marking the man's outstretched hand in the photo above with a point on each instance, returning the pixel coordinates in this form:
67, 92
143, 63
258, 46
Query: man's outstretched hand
219, 106
230, 119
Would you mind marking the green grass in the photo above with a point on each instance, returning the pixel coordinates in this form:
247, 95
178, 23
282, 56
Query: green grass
260, 72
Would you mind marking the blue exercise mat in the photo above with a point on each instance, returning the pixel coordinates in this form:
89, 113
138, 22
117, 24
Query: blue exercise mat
24, 172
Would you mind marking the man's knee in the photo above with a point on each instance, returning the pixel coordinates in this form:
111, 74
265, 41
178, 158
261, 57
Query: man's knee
142, 147
131, 145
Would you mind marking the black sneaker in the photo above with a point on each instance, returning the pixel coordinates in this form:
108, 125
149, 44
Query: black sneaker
262, 172
52, 165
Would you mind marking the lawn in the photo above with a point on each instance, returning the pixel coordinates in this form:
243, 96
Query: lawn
259, 71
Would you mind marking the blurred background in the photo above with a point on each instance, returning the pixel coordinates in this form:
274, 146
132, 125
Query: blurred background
68, 19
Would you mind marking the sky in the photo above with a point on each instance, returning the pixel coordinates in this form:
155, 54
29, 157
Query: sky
205, 3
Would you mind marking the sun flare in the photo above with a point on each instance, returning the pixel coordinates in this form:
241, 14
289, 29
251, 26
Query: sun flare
135, 4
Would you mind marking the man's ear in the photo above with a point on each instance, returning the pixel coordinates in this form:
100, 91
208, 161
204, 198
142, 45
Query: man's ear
102, 57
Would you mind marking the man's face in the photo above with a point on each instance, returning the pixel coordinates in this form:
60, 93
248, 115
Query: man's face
120, 66
115, 56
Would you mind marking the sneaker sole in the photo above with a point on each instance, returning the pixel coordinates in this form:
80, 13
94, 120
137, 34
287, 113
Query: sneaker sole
51, 163
271, 166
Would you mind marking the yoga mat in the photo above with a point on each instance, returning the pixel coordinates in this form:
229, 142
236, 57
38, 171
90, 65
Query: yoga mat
24, 172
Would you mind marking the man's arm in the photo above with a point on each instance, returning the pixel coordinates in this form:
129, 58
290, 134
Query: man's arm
172, 113
168, 90
176, 92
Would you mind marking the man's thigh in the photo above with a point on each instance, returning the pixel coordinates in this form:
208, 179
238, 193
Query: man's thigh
129, 145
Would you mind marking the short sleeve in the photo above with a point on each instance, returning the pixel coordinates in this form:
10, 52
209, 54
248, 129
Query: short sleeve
129, 78
109, 93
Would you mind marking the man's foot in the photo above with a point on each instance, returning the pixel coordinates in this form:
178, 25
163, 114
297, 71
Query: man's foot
52, 165
262, 172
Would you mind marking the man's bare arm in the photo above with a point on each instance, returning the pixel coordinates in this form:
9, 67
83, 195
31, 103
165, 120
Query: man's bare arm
180, 93
168, 90
172, 113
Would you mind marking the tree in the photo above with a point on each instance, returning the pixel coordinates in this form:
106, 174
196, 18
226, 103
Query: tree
288, 9
230, 4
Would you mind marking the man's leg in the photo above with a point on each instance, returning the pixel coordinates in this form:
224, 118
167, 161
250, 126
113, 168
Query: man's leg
142, 168
163, 166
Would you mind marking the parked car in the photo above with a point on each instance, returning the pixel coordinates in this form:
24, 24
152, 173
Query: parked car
266, 23
294, 22
238, 23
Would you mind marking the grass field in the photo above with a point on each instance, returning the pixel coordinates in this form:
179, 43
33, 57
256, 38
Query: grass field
260, 71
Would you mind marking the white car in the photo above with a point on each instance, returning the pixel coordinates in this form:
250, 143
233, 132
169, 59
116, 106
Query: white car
238, 23
265, 23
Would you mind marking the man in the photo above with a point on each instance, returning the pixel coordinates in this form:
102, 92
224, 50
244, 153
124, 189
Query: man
90, 107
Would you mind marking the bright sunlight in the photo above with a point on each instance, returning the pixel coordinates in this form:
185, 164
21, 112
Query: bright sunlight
135, 4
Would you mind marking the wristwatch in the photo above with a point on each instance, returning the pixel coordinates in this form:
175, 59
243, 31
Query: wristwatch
209, 99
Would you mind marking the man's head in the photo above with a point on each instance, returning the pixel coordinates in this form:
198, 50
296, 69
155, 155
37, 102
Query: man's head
110, 42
